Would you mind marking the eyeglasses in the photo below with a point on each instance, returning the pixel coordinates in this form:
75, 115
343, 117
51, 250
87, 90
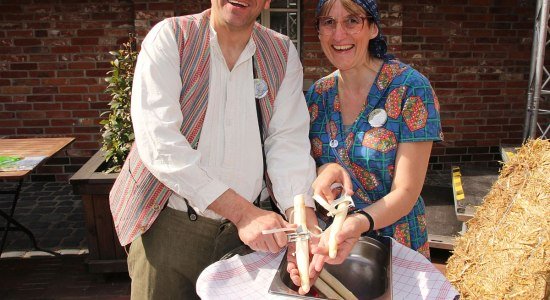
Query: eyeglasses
351, 24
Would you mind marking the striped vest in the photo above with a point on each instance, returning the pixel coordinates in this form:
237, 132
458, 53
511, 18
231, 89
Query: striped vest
137, 197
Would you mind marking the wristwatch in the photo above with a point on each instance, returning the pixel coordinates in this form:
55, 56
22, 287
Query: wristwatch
366, 214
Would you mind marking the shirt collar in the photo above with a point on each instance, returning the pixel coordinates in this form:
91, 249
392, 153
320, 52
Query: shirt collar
215, 49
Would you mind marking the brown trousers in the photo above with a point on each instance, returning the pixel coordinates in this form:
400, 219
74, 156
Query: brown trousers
165, 262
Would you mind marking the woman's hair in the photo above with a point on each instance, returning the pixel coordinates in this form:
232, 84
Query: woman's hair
349, 5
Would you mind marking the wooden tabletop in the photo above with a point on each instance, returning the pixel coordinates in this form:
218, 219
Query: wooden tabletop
30, 147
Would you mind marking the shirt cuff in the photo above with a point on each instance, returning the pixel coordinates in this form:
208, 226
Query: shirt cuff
207, 194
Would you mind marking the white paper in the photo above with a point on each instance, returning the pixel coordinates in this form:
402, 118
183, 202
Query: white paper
25, 164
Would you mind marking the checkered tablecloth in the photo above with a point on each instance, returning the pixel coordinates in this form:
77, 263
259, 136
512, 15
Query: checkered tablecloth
249, 277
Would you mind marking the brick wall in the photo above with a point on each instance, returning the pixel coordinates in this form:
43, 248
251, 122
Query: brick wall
477, 55
54, 55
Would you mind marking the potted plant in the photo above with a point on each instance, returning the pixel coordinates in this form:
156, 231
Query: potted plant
94, 180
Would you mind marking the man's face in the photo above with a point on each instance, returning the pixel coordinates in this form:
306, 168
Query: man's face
237, 14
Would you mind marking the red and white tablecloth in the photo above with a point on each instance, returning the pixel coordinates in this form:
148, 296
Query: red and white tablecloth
249, 277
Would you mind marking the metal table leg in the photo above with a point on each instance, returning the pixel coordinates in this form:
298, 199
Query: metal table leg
18, 226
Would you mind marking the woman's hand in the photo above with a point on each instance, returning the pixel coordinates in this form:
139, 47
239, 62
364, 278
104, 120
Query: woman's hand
292, 267
327, 175
354, 226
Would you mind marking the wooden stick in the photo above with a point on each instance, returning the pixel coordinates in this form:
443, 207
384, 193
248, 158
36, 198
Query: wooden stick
336, 285
302, 246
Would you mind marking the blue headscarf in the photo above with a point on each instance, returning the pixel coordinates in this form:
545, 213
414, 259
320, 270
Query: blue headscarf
377, 45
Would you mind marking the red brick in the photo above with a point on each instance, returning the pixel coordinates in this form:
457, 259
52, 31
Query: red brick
91, 32
10, 123
31, 115
23, 66
53, 66
36, 123
84, 41
462, 115
39, 98
20, 33
73, 89
25, 82
97, 73
85, 113
63, 122
45, 90
27, 42
68, 98
65, 49
15, 90
58, 130
76, 106
82, 65
70, 73
58, 114
41, 74
55, 81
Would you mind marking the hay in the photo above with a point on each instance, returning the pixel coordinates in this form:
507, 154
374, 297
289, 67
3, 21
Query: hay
505, 253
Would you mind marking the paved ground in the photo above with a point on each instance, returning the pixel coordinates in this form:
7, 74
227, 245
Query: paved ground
55, 216
63, 277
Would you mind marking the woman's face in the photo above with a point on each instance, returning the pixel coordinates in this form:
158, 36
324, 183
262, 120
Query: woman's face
347, 50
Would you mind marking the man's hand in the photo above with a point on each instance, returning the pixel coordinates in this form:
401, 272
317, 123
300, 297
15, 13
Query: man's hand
327, 175
250, 221
250, 227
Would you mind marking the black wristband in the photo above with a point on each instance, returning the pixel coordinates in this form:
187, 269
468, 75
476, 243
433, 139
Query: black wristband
369, 217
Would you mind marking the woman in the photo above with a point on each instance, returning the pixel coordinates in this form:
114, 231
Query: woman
374, 119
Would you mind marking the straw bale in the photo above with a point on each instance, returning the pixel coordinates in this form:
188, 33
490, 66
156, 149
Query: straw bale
505, 253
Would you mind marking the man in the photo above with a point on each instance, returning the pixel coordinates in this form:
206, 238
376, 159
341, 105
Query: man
184, 196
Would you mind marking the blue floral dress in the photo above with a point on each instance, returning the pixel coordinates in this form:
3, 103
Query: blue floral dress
402, 107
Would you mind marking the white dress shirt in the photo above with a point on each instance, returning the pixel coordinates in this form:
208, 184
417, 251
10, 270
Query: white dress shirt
229, 150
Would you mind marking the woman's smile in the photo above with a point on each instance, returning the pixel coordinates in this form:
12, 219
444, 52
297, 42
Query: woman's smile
343, 48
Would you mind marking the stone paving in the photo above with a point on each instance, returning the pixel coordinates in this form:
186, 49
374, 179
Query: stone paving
61, 277
51, 211
56, 217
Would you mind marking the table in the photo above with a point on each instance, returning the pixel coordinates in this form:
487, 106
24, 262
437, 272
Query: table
25, 147
249, 277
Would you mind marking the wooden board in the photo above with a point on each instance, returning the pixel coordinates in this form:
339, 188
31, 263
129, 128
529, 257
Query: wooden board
441, 241
47, 147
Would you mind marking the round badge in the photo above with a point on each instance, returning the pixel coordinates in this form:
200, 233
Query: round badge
260, 88
378, 117
333, 143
